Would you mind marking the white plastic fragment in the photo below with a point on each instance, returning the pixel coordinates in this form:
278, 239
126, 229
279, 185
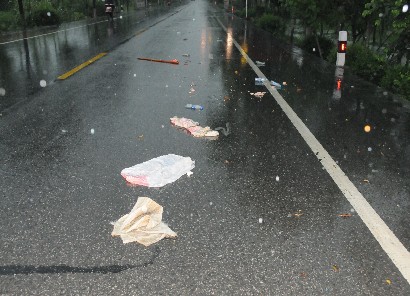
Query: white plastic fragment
158, 171
277, 178
43, 83
260, 220
92, 131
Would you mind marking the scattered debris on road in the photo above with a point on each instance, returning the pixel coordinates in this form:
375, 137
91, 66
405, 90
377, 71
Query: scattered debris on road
186, 55
174, 61
347, 215
335, 268
194, 128
260, 81
158, 171
259, 94
143, 224
260, 64
226, 131
194, 107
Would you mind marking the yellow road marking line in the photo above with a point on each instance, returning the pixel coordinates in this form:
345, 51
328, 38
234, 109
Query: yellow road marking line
83, 65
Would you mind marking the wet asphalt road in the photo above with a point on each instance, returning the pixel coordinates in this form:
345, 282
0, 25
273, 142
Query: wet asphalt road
61, 187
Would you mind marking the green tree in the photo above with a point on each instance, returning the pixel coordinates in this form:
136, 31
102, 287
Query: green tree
394, 26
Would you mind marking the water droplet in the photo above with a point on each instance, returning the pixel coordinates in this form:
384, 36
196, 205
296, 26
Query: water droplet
92, 131
260, 220
210, 203
43, 83
369, 149
2, 92
277, 178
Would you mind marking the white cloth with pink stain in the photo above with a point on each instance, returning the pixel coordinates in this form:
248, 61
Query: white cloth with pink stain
193, 127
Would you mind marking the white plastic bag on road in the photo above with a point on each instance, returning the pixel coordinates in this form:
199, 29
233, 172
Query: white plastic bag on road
158, 171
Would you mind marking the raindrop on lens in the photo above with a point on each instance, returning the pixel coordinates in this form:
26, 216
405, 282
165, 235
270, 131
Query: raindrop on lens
43, 83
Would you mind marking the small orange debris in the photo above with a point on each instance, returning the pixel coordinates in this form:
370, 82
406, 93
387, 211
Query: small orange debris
347, 215
335, 268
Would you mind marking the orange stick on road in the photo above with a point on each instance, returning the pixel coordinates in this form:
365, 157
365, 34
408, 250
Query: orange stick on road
174, 61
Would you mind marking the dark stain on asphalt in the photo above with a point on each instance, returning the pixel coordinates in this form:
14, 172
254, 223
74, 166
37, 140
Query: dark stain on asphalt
31, 269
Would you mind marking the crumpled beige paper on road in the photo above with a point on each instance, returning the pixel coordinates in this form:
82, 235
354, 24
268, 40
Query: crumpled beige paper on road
143, 224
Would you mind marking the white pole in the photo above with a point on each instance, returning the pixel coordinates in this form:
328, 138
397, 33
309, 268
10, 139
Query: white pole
341, 49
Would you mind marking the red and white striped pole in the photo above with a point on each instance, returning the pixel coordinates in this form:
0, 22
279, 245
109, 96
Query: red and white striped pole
341, 49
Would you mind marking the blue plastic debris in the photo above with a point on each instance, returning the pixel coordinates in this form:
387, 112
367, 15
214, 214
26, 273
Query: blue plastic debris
260, 81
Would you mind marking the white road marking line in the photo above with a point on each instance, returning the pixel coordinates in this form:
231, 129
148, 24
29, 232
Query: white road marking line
382, 233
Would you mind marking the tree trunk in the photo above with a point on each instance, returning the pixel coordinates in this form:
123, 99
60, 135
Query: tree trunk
292, 32
318, 46
94, 9
21, 10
